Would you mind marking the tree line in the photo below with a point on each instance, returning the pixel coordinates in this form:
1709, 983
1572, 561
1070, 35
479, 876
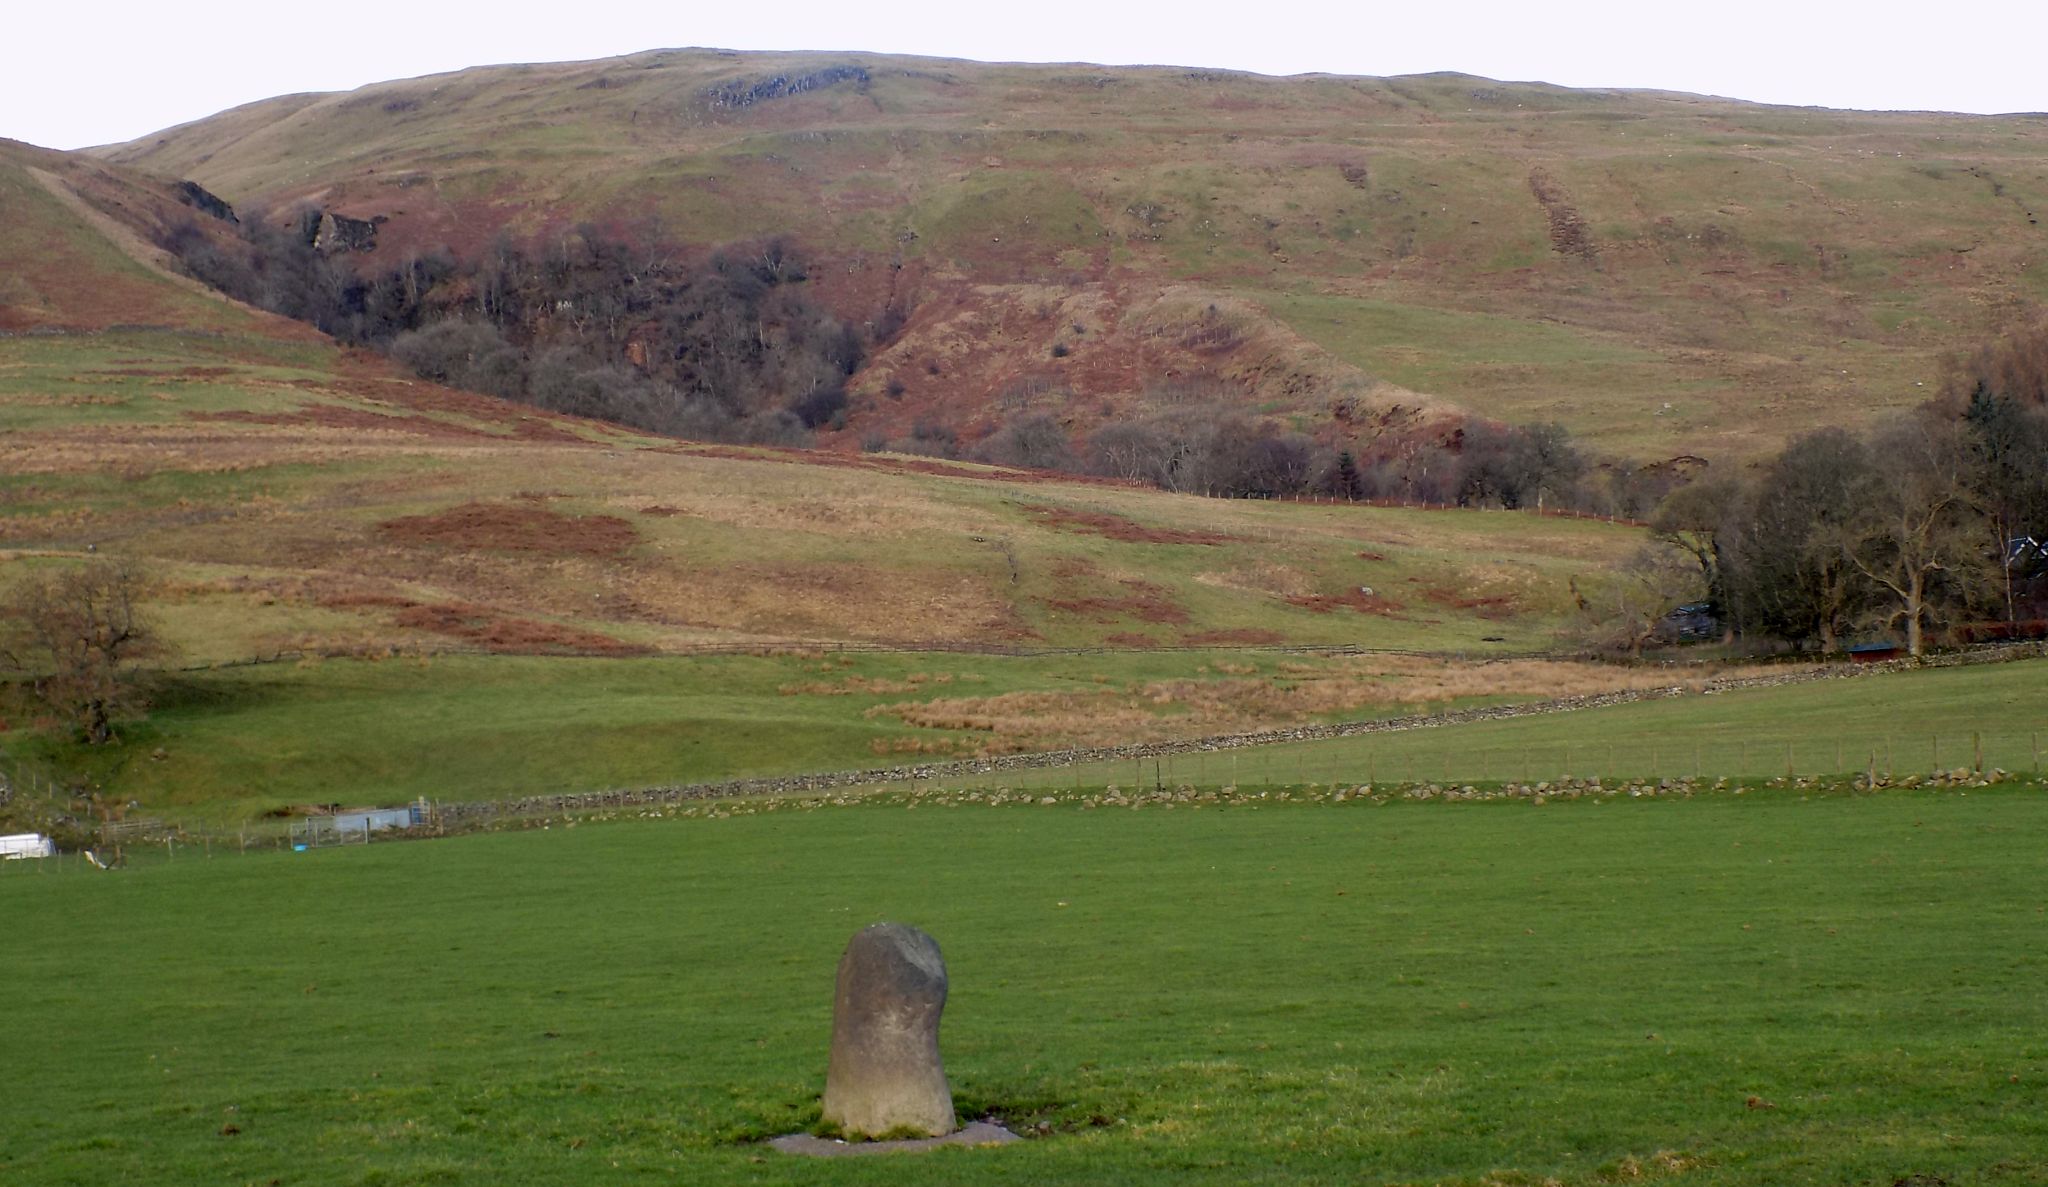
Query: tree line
1932, 522
729, 346
1928, 523
1215, 449
630, 329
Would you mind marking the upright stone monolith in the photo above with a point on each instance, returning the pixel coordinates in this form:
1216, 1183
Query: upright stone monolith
885, 1076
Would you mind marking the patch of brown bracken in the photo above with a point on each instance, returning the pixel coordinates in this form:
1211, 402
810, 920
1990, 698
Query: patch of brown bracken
1116, 527
1294, 693
494, 631
506, 528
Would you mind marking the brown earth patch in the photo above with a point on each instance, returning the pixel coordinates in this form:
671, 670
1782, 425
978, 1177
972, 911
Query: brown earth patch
514, 529
1116, 527
497, 632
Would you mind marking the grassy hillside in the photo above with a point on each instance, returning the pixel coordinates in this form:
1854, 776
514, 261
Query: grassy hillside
464, 599
1664, 273
272, 490
1706, 993
287, 497
76, 257
291, 495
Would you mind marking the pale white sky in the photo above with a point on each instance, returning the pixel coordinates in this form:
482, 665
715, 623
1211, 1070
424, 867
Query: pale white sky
76, 74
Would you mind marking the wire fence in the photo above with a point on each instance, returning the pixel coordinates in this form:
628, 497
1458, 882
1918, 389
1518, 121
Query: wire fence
1493, 745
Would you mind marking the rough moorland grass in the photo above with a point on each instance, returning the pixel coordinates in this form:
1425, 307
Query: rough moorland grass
1733, 255
1703, 992
1911, 721
726, 548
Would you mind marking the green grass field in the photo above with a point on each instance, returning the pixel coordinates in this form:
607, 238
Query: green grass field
1771, 989
1907, 722
225, 745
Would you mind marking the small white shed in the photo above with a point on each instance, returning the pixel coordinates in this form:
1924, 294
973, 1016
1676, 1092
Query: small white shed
19, 845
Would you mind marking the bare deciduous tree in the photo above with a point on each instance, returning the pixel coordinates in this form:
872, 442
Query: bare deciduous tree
1624, 610
1918, 526
1789, 575
1691, 519
75, 636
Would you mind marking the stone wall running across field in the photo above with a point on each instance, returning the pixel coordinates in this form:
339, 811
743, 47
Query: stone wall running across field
458, 814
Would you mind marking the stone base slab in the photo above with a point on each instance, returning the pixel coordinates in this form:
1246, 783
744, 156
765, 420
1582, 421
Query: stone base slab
980, 1133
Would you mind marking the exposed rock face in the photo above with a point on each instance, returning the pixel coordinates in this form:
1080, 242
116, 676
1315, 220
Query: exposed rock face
745, 92
339, 232
885, 1076
199, 198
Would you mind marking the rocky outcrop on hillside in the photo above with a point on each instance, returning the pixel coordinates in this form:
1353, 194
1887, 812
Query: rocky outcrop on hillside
199, 198
338, 233
745, 92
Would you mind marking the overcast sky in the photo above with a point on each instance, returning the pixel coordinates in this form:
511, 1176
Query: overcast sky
76, 74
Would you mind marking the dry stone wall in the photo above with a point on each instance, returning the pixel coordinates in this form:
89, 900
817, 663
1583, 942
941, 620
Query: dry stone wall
458, 813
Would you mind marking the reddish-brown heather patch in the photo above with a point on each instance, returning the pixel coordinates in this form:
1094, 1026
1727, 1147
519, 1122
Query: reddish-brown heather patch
1116, 527
498, 632
360, 598
1493, 608
528, 428
1146, 602
515, 529
1356, 599
1238, 637
1130, 639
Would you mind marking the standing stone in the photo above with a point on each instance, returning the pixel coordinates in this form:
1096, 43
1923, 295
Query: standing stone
885, 1076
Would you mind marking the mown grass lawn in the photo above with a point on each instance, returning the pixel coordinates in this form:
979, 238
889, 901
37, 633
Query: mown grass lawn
1719, 990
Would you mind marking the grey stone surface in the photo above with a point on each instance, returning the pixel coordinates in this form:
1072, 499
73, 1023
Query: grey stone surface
979, 1133
885, 1075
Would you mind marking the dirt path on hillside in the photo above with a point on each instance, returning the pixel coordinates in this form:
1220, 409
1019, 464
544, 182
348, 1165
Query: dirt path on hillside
130, 244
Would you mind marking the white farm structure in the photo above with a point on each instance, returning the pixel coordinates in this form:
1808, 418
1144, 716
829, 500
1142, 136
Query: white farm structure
19, 845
